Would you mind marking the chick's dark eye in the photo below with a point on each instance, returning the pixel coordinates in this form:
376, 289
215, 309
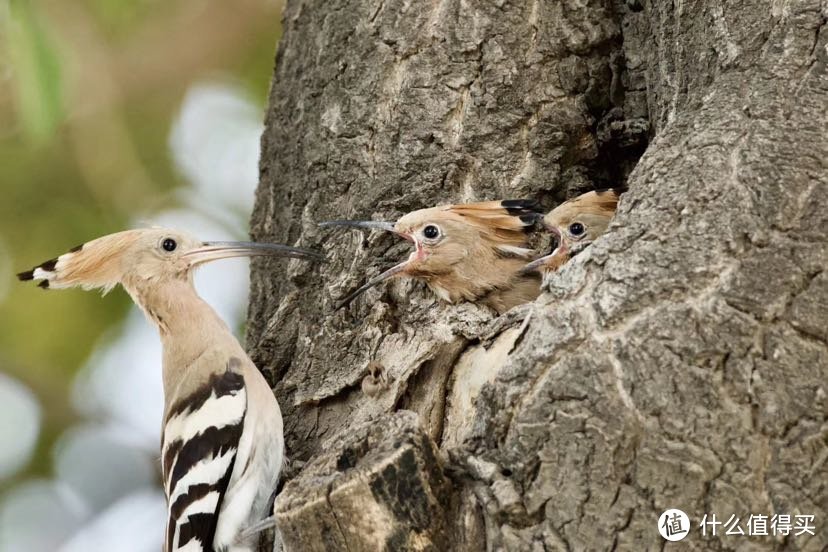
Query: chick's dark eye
169, 244
576, 228
431, 231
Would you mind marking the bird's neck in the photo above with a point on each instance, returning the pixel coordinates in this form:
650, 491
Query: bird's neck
185, 321
474, 281
192, 334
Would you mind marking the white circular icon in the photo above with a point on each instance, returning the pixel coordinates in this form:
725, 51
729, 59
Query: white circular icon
673, 524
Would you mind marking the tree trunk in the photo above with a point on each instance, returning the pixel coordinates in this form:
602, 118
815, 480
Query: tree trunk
679, 362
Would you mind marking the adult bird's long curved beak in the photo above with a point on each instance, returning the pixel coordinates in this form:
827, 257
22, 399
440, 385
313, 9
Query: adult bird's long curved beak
378, 224
394, 270
360, 224
214, 250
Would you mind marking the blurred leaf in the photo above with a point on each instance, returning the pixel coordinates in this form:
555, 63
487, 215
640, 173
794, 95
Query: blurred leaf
36, 72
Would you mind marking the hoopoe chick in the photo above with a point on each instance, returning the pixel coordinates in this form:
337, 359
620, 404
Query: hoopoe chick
471, 252
575, 224
222, 445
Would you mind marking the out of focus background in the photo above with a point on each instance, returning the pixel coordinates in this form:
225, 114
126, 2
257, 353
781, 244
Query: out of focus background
113, 114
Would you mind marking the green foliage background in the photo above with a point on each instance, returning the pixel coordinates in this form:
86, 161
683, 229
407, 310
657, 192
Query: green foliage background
88, 92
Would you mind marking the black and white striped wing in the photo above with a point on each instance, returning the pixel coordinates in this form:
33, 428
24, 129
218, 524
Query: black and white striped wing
199, 448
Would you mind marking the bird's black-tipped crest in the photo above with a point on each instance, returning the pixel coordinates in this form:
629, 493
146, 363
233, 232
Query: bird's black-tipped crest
529, 211
521, 206
76, 248
49, 266
530, 218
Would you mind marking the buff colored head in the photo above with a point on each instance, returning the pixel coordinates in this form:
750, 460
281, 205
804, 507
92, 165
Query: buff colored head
575, 224
470, 252
145, 257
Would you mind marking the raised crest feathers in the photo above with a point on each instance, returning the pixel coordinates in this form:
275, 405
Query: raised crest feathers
506, 219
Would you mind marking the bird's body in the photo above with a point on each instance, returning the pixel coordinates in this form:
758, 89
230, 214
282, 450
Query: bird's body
222, 441
207, 386
502, 289
473, 252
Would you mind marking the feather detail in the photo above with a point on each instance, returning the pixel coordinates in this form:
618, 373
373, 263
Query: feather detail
199, 448
508, 214
90, 265
599, 202
502, 222
521, 206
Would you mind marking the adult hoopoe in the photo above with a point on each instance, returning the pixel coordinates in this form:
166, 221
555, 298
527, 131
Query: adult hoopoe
222, 445
575, 224
472, 252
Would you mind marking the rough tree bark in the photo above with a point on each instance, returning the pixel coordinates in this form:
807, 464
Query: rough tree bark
681, 361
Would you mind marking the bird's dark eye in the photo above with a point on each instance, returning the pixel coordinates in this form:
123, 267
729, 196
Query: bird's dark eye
431, 232
169, 244
576, 228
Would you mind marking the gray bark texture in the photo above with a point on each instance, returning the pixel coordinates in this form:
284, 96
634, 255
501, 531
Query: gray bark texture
681, 361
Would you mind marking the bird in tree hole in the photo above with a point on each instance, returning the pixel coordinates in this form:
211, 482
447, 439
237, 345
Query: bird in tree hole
473, 252
222, 439
574, 225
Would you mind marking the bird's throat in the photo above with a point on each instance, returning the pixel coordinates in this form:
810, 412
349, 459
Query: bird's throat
176, 309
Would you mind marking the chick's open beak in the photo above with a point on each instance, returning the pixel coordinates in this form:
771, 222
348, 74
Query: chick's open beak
553, 261
418, 254
548, 263
211, 251
393, 271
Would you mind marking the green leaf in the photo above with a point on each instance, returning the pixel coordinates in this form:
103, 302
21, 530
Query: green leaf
36, 72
